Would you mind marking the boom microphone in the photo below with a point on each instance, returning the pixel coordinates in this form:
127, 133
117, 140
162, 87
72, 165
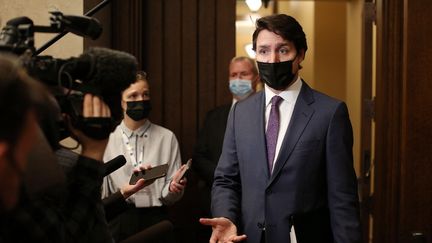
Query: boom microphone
105, 72
79, 25
111, 71
100, 71
114, 164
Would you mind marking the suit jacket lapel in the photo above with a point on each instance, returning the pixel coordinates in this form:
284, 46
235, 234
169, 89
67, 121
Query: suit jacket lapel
300, 118
259, 149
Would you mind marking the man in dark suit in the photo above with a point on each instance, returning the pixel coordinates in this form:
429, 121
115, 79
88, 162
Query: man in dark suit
242, 81
287, 154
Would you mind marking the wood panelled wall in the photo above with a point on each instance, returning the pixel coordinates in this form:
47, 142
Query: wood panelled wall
403, 185
185, 47
188, 46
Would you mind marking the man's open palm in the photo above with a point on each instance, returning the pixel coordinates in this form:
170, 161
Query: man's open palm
223, 230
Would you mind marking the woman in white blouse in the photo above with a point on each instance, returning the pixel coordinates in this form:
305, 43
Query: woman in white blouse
143, 144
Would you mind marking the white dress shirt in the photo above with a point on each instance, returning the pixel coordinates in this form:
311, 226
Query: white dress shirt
286, 108
148, 145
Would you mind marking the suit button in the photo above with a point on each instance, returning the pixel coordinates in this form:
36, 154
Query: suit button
269, 192
261, 225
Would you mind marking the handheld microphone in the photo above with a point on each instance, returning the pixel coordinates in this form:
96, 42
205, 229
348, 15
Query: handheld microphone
114, 164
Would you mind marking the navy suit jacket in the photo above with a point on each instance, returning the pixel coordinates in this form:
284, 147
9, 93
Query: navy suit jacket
313, 184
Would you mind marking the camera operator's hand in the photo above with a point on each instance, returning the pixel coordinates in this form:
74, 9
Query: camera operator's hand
93, 107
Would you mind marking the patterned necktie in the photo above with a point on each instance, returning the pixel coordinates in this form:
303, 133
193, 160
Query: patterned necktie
273, 130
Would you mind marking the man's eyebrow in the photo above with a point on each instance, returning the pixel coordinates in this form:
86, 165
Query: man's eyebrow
278, 45
282, 44
263, 46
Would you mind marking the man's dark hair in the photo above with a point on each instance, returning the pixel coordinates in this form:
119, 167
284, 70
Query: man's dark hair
18, 95
283, 25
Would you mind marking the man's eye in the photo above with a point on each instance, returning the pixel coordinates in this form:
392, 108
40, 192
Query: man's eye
262, 52
283, 51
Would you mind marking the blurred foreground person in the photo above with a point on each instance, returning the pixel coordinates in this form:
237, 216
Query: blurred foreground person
79, 215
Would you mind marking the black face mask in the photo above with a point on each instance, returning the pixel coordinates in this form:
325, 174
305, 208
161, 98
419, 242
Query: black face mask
277, 75
138, 110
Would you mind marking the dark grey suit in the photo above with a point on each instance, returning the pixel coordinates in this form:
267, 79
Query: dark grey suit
313, 185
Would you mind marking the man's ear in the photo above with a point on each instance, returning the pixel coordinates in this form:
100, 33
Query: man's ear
255, 82
302, 55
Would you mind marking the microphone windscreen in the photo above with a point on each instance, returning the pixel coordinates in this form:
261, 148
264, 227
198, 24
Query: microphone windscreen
82, 25
112, 71
114, 164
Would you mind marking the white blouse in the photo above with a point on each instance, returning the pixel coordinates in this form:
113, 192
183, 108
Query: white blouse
148, 145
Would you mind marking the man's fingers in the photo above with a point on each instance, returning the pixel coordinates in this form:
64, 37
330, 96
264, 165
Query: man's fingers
207, 221
97, 107
106, 111
93, 106
88, 105
212, 240
238, 238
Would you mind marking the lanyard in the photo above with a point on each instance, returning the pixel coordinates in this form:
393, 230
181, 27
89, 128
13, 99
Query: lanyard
136, 160
130, 150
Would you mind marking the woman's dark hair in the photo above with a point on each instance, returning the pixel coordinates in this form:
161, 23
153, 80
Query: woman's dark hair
283, 25
18, 95
142, 76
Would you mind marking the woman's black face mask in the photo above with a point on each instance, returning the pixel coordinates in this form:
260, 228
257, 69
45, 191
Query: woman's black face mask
138, 110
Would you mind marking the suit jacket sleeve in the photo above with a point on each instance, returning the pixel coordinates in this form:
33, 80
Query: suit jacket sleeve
226, 191
341, 179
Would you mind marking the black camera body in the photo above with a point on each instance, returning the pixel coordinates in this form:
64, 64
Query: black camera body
100, 71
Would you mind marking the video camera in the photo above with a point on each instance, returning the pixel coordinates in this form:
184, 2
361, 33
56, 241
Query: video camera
100, 71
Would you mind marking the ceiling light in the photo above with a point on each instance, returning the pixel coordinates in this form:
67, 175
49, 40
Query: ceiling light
254, 5
249, 51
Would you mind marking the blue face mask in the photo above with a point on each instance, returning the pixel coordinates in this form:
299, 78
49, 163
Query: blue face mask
240, 87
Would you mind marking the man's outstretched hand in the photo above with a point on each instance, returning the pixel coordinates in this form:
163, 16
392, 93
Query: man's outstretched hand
224, 231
